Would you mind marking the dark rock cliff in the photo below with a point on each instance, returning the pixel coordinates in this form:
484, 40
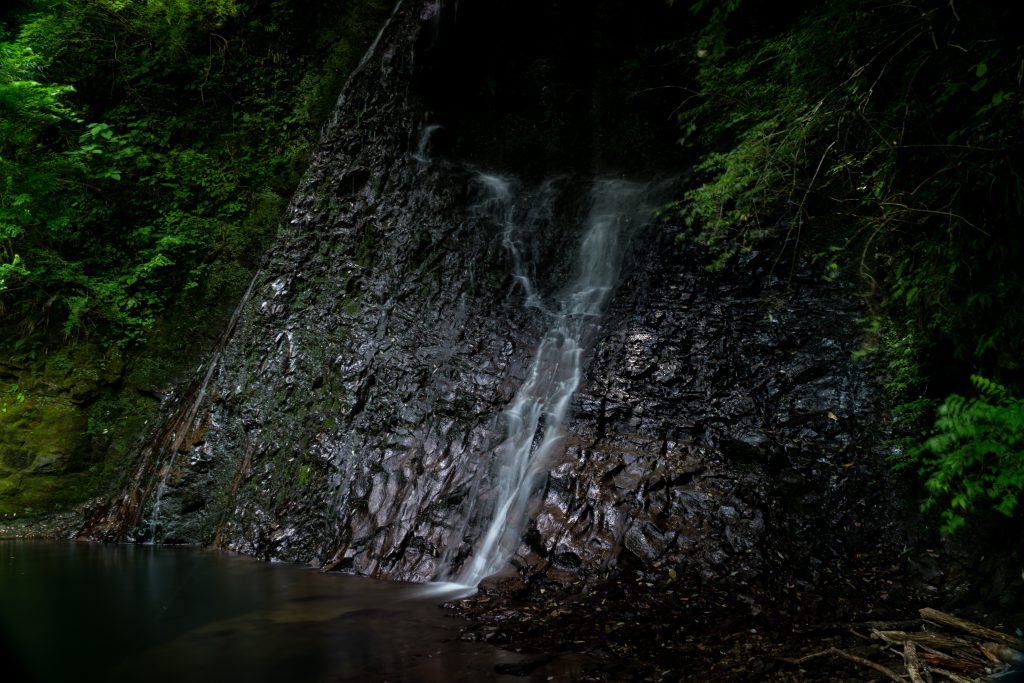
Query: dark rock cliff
721, 428
723, 431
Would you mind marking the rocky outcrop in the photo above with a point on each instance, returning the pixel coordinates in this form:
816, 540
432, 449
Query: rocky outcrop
722, 427
368, 366
723, 431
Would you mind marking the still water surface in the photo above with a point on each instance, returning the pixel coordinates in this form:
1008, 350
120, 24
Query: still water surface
89, 612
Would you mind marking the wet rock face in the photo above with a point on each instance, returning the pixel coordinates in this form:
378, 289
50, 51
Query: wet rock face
723, 431
370, 364
377, 346
721, 427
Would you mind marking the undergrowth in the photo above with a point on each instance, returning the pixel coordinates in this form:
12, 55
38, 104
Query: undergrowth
975, 459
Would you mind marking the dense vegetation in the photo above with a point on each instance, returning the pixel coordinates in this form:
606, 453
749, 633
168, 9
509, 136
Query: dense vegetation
147, 150
138, 138
885, 138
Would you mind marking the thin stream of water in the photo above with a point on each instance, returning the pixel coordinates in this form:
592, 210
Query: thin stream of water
534, 419
185, 423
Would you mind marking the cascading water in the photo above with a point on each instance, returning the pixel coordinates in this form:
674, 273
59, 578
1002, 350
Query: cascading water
500, 205
422, 154
533, 420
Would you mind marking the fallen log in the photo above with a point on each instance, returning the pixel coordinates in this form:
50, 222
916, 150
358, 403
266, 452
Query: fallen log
956, 678
941, 660
936, 640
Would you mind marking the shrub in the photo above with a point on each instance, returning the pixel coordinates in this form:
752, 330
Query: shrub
975, 460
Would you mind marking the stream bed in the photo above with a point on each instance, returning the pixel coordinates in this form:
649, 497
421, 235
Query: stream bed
85, 611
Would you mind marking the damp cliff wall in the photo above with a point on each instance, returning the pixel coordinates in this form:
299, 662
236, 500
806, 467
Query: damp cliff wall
720, 426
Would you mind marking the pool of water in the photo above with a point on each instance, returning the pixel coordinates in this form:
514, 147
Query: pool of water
83, 612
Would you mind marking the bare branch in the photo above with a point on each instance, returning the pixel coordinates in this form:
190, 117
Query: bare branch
885, 671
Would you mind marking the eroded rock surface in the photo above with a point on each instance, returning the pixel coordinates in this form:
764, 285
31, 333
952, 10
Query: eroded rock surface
722, 432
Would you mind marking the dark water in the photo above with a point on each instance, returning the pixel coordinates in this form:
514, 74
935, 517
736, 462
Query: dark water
84, 612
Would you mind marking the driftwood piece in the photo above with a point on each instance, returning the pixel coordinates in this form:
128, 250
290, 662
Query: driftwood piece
956, 678
904, 625
885, 671
936, 640
912, 662
934, 616
941, 660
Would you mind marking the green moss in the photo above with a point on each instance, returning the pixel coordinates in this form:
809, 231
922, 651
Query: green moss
42, 440
364, 253
10, 485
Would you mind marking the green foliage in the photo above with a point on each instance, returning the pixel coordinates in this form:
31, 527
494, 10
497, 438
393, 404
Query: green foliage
976, 458
712, 38
12, 396
137, 136
771, 139
896, 120
894, 131
27, 107
147, 150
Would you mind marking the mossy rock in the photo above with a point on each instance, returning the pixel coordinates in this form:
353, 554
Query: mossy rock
36, 494
80, 371
42, 439
10, 486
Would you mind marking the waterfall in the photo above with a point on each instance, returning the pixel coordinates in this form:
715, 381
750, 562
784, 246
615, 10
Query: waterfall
422, 154
534, 419
368, 414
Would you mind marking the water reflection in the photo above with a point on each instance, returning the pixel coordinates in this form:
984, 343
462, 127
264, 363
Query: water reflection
80, 612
